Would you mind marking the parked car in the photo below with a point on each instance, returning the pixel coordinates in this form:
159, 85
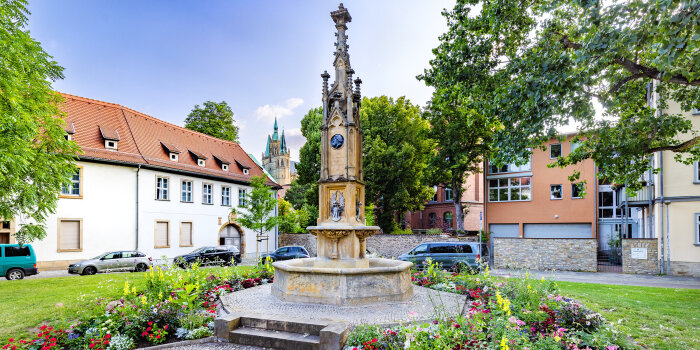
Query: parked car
218, 255
17, 261
113, 261
286, 253
451, 255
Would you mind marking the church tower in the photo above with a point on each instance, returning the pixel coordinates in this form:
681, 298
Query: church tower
275, 160
341, 187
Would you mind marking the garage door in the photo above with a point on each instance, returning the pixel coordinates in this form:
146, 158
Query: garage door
557, 231
504, 230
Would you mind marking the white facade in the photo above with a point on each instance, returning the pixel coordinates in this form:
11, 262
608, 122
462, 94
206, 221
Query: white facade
107, 212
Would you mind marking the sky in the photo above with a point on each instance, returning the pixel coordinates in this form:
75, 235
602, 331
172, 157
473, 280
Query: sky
264, 58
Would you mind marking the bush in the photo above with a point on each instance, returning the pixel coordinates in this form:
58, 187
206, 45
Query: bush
434, 231
399, 231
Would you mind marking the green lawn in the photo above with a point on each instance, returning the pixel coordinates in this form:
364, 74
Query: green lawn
26, 304
657, 318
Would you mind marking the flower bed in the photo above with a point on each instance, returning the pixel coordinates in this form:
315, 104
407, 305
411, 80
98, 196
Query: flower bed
499, 314
175, 305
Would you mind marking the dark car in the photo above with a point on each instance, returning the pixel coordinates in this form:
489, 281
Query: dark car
447, 254
286, 253
218, 255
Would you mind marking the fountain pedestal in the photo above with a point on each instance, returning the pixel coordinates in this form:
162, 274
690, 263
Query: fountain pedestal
342, 274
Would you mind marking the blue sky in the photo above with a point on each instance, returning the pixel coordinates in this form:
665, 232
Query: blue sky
262, 57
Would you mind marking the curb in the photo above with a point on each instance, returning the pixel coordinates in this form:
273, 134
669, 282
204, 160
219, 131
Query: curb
211, 339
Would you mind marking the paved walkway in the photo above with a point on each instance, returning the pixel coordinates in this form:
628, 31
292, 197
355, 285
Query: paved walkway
608, 278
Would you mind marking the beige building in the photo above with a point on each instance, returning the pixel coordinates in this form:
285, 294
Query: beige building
670, 205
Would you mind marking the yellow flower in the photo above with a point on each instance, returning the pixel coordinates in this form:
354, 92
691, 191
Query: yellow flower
504, 343
557, 338
486, 271
126, 288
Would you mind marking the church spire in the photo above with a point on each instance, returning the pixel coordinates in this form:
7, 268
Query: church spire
274, 134
283, 144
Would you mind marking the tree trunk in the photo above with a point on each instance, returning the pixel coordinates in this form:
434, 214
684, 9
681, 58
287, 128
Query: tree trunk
457, 200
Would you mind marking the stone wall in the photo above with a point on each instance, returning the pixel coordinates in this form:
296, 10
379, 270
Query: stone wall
546, 253
645, 259
386, 246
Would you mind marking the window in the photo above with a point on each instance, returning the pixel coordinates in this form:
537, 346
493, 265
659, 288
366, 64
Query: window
554, 150
207, 193
5, 231
448, 219
201, 162
162, 235
185, 234
421, 249
697, 228
245, 172
510, 168
115, 255
70, 238
435, 188
443, 249
226, 196
510, 189
16, 251
73, 189
448, 194
242, 198
465, 248
162, 184
432, 220
555, 192
575, 145
186, 191
224, 167
110, 144
173, 157
606, 204
577, 190
68, 137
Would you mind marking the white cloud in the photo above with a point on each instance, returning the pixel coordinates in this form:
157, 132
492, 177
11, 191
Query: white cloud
268, 112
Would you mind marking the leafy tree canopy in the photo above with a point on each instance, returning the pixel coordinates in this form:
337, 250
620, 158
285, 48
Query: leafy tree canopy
35, 158
396, 150
291, 220
533, 66
214, 119
258, 211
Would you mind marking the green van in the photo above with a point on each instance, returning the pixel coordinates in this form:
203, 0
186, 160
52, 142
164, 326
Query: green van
17, 262
449, 255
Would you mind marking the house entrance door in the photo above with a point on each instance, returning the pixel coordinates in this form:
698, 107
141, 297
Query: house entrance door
230, 235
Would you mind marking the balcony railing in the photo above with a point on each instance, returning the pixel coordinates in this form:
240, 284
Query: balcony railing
642, 197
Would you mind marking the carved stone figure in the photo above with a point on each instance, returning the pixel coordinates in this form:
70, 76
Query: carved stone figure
337, 205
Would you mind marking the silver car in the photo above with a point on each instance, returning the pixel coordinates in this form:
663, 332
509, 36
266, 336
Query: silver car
112, 261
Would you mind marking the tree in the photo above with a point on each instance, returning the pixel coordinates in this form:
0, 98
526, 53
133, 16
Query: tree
303, 192
214, 119
534, 67
396, 150
291, 220
258, 210
36, 160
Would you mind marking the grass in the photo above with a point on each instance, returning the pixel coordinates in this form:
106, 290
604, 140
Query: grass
27, 304
657, 318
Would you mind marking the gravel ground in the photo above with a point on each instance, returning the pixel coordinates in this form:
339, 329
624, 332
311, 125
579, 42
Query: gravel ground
216, 346
421, 306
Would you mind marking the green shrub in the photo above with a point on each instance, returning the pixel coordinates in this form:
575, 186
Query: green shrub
434, 231
399, 231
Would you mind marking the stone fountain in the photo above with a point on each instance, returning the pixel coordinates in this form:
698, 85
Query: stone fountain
342, 274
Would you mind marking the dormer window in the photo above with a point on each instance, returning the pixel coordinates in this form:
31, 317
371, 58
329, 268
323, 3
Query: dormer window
110, 135
222, 162
68, 137
245, 172
69, 129
199, 158
110, 144
172, 151
243, 166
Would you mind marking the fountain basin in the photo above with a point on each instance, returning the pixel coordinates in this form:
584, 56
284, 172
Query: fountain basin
315, 280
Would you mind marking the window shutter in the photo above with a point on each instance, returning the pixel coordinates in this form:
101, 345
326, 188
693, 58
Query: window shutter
70, 235
161, 234
186, 233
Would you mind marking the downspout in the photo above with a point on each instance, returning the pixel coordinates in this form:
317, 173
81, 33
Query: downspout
137, 206
661, 206
668, 239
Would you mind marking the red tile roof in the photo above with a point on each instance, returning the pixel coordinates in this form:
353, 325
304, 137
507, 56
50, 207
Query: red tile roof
146, 140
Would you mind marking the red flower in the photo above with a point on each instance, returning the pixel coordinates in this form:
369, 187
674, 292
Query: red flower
165, 327
148, 329
107, 336
158, 336
92, 345
150, 323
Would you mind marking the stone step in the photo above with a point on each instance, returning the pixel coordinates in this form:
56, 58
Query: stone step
274, 339
283, 324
